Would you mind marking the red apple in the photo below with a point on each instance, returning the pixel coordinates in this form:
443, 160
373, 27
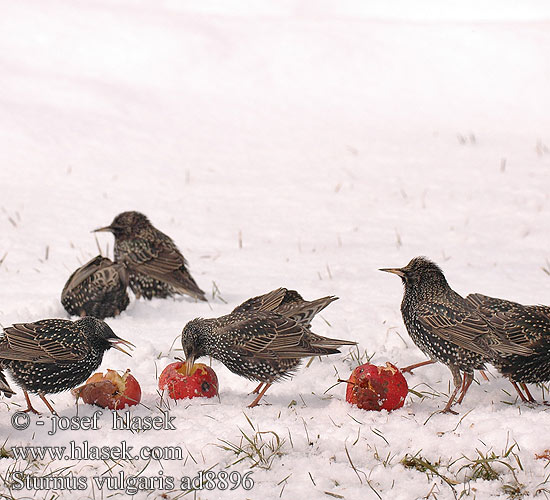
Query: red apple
201, 381
111, 390
372, 387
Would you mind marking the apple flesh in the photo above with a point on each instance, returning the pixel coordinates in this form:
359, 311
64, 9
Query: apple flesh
201, 381
111, 390
372, 387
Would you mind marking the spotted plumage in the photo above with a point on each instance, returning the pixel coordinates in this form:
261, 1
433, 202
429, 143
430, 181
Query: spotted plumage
524, 325
98, 289
54, 355
448, 328
258, 343
156, 267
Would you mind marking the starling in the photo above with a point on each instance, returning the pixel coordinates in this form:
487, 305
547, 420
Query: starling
54, 355
156, 267
98, 289
448, 328
525, 325
258, 343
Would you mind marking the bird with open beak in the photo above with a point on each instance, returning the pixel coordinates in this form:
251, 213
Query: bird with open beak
54, 355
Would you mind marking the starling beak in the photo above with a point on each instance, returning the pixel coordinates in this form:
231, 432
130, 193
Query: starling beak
155, 266
395, 270
54, 355
98, 289
257, 342
448, 328
528, 326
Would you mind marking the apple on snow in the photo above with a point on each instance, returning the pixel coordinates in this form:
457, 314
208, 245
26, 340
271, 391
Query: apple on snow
372, 387
183, 382
111, 390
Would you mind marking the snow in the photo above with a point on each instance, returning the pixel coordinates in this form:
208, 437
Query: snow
333, 139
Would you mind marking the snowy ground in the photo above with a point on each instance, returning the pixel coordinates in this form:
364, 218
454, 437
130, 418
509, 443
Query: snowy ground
332, 138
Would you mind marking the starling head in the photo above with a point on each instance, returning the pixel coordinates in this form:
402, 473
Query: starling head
126, 224
419, 270
99, 333
194, 341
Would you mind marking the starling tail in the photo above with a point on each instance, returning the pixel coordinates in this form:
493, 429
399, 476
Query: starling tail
54, 355
528, 326
257, 344
156, 267
448, 328
98, 289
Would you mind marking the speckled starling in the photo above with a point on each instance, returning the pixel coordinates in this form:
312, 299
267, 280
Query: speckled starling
525, 325
54, 355
257, 344
448, 328
156, 267
98, 289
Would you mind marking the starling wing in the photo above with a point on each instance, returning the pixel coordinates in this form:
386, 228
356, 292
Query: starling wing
163, 262
467, 329
46, 341
524, 325
288, 303
269, 335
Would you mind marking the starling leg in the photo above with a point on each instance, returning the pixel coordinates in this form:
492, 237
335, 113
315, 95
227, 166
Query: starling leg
466, 383
457, 379
257, 400
484, 375
530, 398
43, 398
518, 390
257, 390
29, 405
410, 368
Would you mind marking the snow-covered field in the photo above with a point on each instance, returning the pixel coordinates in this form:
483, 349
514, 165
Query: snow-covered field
299, 144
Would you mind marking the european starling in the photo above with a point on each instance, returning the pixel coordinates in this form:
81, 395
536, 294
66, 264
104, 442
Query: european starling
448, 328
54, 355
98, 289
525, 325
258, 344
156, 267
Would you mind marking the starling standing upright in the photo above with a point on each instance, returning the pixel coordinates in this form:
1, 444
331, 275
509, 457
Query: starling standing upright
258, 344
54, 355
98, 289
448, 328
155, 265
525, 325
